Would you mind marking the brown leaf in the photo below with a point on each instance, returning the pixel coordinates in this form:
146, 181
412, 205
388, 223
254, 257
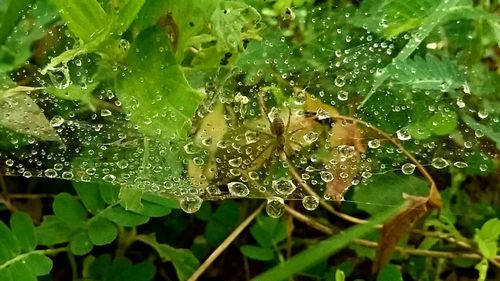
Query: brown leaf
394, 229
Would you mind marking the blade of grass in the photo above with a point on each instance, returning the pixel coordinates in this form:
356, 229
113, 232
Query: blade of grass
12, 16
324, 249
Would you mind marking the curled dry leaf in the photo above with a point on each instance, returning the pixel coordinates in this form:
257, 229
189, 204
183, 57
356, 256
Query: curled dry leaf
394, 229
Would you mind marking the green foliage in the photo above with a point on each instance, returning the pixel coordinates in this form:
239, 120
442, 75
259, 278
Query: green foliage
142, 105
106, 269
18, 258
387, 190
156, 71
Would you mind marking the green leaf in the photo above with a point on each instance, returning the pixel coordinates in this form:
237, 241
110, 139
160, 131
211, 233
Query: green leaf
222, 222
80, 244
488, 131
109, 193
487, 238
102, 231
427, 74
105, 269
231, 20
130, 199
482, 268
156, 205
390, 272
90, 195
8, 244
20, 113
53, 231
257, 253
85, 18
123, 217
268, 231
24, 231
393, 17
324, 249
69, 210
154, 90
39, 264
442, 123
11, 17
339, 275
126, 15
387, 190
20, 272
185, 263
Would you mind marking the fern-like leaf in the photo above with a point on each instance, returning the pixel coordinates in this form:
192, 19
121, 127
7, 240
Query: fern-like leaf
427, 74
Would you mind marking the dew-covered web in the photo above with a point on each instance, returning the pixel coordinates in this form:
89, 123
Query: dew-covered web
277, 116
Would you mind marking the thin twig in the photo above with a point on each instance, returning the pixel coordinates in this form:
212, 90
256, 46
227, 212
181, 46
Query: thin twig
216, 253
433, 188
371, 244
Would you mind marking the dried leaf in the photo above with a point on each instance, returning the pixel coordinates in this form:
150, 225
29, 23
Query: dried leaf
394, 229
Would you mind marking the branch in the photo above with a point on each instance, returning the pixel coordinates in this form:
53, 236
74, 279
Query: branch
216, 253
405, 251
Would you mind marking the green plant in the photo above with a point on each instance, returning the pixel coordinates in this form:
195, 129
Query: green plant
126, 116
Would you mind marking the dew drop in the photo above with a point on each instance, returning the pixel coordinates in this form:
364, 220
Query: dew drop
339, 81
67, 175
343, 95
403, 134
439, 163
190, 203
109, 178
284, 186
408, 168
105, 112
9, 162
235, 162
460, 164
56, 121
310, 202
275, 207
311, 137
326, 176
374, 143
251, 137
238, 189
50, 173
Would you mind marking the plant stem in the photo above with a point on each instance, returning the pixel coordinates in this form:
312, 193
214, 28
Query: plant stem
216, 253
405, 251
26, 255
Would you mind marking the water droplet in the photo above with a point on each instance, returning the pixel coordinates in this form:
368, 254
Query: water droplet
56, 121
9, 162
483, 167
122, 164
105, 112
482, 114
343, 95
403, 134
339, 81
190, 203
275, 207
310, 202
251, 137
284, 186
50, 173
460, 164
235, 162
374, 143
238, 189
468, 144
408, 168
67, 175
439, 163
311, 137
189, 148
346, 151
109, 178
326, 176
322, 114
